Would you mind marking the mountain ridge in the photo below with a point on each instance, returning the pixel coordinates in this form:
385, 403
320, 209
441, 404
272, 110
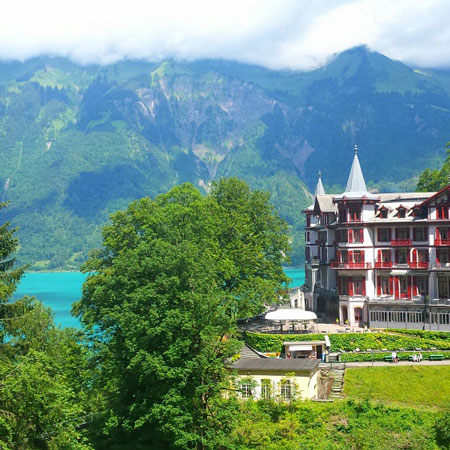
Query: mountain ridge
78, 142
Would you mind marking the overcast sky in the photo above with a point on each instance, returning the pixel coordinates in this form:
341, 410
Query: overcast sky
297, 34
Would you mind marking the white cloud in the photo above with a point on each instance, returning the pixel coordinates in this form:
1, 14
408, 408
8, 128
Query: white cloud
296, 34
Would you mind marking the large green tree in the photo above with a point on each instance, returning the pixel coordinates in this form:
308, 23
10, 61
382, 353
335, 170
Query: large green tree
436, 179
161, 304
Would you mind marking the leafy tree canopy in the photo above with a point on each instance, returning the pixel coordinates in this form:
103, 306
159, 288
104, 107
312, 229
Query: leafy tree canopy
161, 305
434, 180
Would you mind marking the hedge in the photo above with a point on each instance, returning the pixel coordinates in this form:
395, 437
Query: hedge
435, 335
403, 356
347, 342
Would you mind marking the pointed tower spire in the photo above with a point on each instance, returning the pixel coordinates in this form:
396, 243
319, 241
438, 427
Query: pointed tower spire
356, 181
319, 188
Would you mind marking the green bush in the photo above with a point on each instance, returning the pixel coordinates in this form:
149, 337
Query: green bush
435, 335
403, 356
347, 341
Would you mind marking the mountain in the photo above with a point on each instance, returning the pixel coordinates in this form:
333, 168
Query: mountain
78, 142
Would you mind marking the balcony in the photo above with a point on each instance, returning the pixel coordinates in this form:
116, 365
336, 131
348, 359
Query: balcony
350, 265
418, 265
401, 243
383, 264
442, 242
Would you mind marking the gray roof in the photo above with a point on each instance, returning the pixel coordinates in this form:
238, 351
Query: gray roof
285, 365
325, 203
319, 188
356, 185
410, 196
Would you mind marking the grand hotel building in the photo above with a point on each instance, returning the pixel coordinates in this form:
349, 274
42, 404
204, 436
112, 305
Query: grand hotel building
381, 260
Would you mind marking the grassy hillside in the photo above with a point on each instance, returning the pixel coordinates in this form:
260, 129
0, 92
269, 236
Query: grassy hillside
414, 386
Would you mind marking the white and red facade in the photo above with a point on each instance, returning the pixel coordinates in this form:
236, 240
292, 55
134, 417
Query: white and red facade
381, 260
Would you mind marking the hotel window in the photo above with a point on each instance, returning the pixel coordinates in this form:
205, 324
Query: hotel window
422, 285
358, 314
443, 287
357, 235
401, 213
442, 233
402, 233
384, 234
420, 234
384, 213
403, 286
285, 390
354, 215
342, 215
442, 212
442, 256
401, 256
358, 286
266, 389
384, 285
246, 388
385, 255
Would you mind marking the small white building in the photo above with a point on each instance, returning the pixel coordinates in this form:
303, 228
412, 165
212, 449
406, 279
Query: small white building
284, 379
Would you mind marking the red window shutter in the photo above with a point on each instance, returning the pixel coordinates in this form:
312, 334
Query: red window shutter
438, 233
414, 286
364, 286
350, 235
380, 258
391, 285
414, 255
378, 284
361, 235
350, 286
338, 256
409, 286
350, 256
362, 256
396, 288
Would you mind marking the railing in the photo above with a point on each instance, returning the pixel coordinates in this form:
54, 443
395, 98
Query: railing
441, 265
442, 242
418, 265
401, 242
383, 264
392, 299
350, 265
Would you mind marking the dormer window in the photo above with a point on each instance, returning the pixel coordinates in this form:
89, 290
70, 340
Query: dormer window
401, 212
383, 213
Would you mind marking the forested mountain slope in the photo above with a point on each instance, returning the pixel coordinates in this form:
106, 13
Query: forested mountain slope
78, 142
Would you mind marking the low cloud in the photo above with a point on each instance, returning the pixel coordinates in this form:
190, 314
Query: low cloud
290, 34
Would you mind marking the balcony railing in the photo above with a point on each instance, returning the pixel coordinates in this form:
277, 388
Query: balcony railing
442, 242
383, 264
350, 265
401, 242
418, 265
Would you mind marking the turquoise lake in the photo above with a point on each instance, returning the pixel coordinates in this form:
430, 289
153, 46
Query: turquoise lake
58, 290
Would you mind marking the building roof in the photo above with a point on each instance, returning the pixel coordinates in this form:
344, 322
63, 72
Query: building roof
285, 365
356, 185
324, 203
319, 188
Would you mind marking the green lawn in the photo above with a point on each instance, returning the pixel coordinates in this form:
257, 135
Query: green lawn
415, 386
